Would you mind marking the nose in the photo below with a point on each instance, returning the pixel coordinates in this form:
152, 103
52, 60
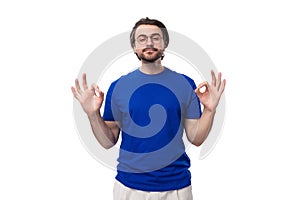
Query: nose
149, 41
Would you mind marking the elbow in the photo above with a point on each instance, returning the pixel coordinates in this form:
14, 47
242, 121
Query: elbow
107, 146
198, 140
197, 143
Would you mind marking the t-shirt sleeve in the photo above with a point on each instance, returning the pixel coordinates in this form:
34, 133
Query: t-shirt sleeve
193, 108
111, 110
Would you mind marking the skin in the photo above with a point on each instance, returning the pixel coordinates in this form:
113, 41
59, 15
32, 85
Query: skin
107, 132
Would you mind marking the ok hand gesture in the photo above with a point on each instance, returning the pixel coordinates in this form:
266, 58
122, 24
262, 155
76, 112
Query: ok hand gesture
211, 96
90, 99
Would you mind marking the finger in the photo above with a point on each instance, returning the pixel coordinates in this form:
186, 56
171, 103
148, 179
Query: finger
202, 87
95, 89
101, 94
75, 94
219, 80
84, 82
78, 87
213, 77
222, 87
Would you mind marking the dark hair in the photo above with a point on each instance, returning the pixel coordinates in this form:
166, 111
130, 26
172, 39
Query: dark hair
147, 21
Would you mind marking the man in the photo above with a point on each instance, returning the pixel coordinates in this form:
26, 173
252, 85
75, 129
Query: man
151, 106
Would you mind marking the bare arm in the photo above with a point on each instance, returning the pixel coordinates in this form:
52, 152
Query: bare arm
106, 132
197, 130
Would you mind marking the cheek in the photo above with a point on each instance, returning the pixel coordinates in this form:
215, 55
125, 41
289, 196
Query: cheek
161, 46
138, 50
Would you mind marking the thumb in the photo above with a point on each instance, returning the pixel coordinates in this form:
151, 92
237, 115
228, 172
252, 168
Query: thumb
202, 88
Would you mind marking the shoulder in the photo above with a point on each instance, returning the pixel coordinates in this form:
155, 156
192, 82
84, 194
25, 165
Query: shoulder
180, 75
190, 80
127, 76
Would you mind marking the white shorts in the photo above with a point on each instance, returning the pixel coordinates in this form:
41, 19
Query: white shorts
121, 192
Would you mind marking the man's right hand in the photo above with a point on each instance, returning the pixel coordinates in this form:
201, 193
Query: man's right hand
90, 99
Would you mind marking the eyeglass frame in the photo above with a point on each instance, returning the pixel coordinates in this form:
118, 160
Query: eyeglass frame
147, 38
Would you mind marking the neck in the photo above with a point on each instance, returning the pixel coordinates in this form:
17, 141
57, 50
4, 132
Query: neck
151, 68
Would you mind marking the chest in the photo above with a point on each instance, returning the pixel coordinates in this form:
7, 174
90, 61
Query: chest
150, 101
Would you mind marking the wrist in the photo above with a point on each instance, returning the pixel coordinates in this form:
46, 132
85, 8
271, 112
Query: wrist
94, 115
209, 110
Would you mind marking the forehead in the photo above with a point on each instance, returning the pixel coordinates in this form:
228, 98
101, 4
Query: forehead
147, 30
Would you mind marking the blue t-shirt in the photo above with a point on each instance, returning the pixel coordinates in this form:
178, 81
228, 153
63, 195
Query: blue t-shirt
152, 109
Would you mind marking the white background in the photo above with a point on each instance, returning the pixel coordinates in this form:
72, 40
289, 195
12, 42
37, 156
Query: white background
254, 43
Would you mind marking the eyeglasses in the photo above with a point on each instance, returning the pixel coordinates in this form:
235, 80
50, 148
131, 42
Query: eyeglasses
143, 39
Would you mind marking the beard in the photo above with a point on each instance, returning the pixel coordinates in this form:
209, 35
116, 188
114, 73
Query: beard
150, 57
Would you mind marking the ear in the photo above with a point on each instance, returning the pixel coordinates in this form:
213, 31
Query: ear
162, 56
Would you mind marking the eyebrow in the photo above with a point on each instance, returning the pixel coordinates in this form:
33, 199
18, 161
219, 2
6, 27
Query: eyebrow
144, 35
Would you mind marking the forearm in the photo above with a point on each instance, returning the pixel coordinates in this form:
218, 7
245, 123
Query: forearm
102, 132
201, 129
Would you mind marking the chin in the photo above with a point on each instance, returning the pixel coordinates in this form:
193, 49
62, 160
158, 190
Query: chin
153, 59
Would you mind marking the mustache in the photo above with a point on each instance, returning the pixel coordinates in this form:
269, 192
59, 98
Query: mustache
150, 48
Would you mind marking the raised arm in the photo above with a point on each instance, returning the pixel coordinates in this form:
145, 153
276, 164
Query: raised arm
197, 130
91, 100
